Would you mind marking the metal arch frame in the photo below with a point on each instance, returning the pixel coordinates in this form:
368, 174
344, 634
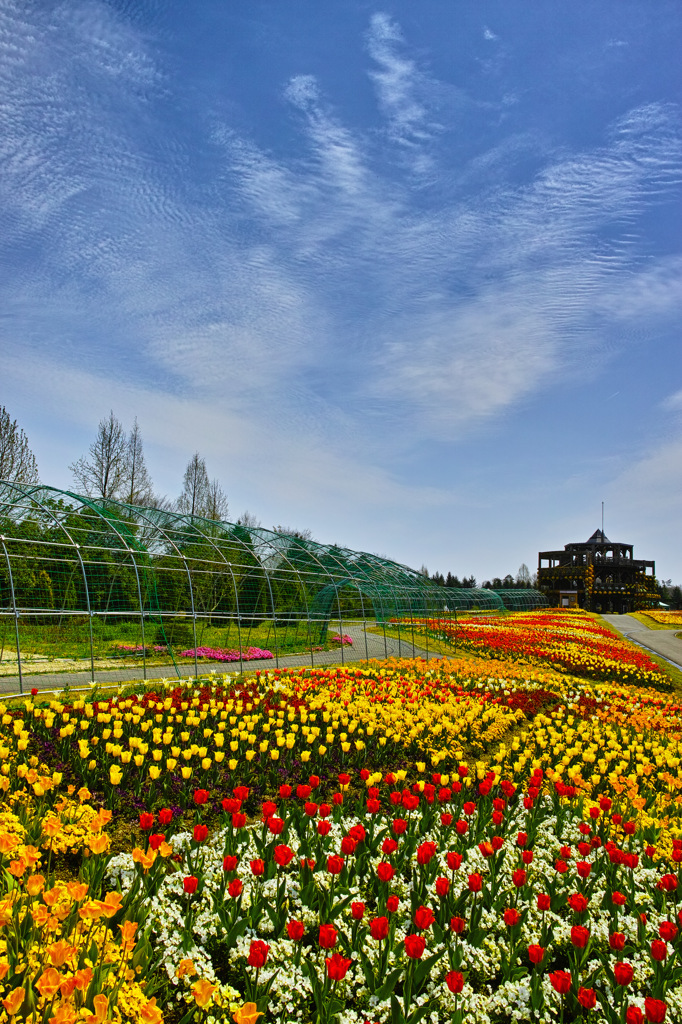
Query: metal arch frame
30, 494
391, 587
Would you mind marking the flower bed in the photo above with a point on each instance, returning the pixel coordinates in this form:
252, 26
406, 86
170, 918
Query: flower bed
571, 642
671, 619
466, 840
218, 654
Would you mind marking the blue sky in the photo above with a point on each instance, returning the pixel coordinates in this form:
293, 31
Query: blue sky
406, 274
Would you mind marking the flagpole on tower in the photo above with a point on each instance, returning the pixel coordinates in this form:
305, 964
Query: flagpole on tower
602, 520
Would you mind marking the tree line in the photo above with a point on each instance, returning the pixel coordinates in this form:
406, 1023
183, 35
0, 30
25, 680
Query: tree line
114, 467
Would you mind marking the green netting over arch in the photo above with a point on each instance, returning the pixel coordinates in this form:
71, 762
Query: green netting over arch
522, 600
100, 581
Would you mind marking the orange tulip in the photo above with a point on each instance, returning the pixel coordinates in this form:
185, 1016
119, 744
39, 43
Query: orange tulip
101, 1004
99, 844
59, 952
202, 991
128, 929
150, 1013
40, 915
48, 983
65, 1015
145, 859
8, 842
185, 966
77, 890
247, 1014
35, 884
83, 979
14, 1000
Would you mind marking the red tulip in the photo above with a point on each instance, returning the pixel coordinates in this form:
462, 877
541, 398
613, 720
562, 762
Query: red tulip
257, 867
634, 1015
337, 966
392, 904
335, 864
424, 918
385, 871
511, 917
457, 925
587, 997
258, 953
654, 1010
378, 928
415, 946
560, 982
475, 882
455, 981
282, 855
275, 825
165, 816
659, 950
201, 796
327, 936
668, 931
357, 910
580, 936
235, 888
578, 903
617, 941
536, 954
544, 901
442, 887
156, 839
519, 878
295, 930
200, 833
190, 884
426, 852
146, 820
623, 972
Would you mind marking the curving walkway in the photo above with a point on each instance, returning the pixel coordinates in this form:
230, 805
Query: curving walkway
365, 645
663, 642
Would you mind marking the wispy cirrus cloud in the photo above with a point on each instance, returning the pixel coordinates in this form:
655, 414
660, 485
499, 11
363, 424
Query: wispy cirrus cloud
364, 304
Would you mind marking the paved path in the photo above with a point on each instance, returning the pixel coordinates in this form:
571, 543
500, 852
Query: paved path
661, 641
365, 645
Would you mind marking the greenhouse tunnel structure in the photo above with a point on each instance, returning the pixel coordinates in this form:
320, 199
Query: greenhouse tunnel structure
88, 582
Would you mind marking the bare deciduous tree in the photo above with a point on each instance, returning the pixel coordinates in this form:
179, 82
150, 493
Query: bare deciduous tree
103, 472
216, 502
17, 461
249, 520
201, 496
138, 484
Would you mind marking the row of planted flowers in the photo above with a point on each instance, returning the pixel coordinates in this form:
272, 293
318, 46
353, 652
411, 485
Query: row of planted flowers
439, 901
386, 715
184, 897
569, 641
452, 898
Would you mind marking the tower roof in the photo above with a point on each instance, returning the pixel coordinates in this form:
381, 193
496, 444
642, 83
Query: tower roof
598, 537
